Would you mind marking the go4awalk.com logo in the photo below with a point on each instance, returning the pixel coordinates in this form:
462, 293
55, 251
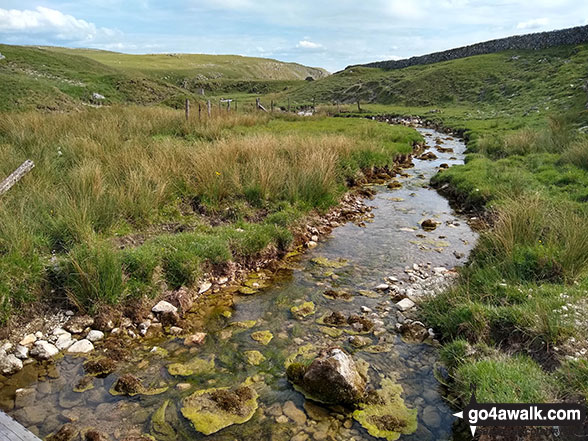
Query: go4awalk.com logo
524, 415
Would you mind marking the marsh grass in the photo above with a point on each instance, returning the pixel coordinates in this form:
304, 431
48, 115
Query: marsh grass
102, 173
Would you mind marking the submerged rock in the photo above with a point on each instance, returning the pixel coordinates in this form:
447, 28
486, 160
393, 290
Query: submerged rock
263, 337
323, 261
99, 367
304, 310
211, 410
254, 358
160, 428
429, 225
336, 318
67, 433
384, 414
332, 377
130, 385
197, 366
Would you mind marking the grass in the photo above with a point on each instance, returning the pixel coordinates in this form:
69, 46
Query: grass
50, 78
103, 175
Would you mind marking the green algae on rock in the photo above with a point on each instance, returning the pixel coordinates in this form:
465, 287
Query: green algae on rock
130, 385
304, 310
84, 385
160, 428
196, 366
247, 291
324, 262
211, 410
331, 332
254, 358
385, 415
246, 324
263, 337
332, 377
338, 294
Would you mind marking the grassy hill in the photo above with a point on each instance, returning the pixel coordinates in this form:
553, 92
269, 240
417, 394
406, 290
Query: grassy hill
51, 78
518, 81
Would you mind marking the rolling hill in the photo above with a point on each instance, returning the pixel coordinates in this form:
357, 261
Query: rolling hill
522, 81
50, 78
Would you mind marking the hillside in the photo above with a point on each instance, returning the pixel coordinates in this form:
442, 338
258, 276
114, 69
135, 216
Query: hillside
521, 81
199, 66
57, 78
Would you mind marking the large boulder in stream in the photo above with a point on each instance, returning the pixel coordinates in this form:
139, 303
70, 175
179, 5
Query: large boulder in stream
332, 377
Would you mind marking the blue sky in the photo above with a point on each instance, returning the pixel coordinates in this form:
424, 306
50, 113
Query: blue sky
330, 34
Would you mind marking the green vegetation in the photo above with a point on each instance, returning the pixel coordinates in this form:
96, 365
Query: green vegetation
126, 201
50, 78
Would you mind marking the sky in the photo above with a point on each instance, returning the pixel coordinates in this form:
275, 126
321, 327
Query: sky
324, 33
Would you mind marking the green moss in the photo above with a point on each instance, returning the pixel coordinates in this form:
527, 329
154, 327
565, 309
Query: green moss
160, 428
247, 291
246, 324
85, 384
331, 332
387, 416
263, 337
254, 358
196, 366
304, 310
211, 410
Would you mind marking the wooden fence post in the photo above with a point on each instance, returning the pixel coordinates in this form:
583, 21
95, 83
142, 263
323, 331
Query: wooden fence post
313, 104
272, 105
338, 107
16, 176
358, 106
288, 104
199, 111
209, 107
187, 109
236, 108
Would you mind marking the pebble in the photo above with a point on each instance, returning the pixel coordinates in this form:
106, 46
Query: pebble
28, 340
203, 288
175, 330
21, 352
44, 350
81, 347
64, 341
295, 414
195, 339
95, 335
382, 287
164, 306
405, 305
9, 364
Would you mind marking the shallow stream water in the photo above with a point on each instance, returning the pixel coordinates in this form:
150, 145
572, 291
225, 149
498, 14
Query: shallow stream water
387, 245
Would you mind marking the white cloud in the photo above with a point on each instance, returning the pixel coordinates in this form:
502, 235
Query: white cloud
533, 24
307, 44
46, 21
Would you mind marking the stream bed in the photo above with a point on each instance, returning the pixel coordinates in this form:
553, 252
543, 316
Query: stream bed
353, 260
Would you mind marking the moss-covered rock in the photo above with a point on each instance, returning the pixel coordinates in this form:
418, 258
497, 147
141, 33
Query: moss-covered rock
196, 366
85, 384
263, 337
385, 415
331, 332
247, 291
211, 410
304, 310
254, 358
333, 377
160, 428
324, 262
98, 367
130, 385
338, 294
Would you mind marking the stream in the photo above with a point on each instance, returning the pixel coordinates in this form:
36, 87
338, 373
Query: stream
365, 256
